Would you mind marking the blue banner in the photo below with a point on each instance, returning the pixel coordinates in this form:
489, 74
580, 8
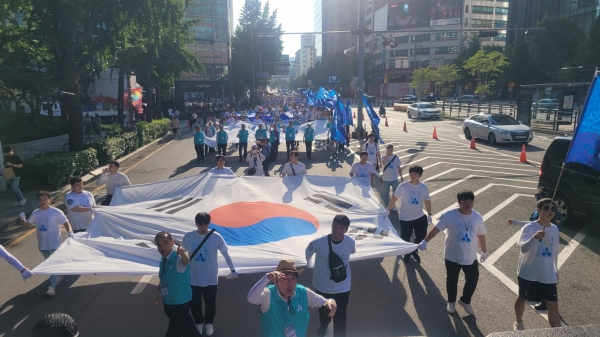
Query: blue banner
348, 114
339, 121
373, 117
585, 146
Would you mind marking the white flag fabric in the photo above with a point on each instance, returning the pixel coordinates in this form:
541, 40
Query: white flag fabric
262, 220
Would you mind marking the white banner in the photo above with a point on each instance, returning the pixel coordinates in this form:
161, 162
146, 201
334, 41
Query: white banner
263, 220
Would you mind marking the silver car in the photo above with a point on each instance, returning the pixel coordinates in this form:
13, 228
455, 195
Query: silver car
497, 128
422, 110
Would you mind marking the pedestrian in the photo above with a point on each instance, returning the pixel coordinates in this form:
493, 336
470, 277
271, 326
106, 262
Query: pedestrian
363, 168
255, 159
372, 148
13, 261
284, 304
290, 138
204, 245
194, 120
13, 161
174, 287
47, 221
309, 136
243, 144
294, 167
260, 133
79, 204
274, 140
538, 264
542, 192
55, 325
267, 151
222, 139
208, 134
175, 125
414, 195
177, 113
191, 121
220, 168
464, 228
392, 170
125, 121
113, 179
332, 280
199, 141
204, 116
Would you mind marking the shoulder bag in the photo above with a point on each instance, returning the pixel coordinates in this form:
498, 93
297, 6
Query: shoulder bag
201, 243
336, 265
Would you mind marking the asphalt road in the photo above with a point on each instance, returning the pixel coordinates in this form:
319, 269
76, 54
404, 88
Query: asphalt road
388, 297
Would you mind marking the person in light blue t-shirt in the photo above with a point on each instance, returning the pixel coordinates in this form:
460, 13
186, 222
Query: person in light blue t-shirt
199, 140
290, 138
309, 136
243, 148
260, 132
222, 141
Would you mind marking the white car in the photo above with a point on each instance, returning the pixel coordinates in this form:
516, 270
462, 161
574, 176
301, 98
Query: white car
422, 110
497, 128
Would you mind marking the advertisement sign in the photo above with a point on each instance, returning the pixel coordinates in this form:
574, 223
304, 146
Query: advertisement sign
395, 90
334, 79
307, 40
408, 14
445, 12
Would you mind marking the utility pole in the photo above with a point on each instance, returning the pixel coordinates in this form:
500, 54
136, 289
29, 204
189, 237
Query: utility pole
361, 63
253, 73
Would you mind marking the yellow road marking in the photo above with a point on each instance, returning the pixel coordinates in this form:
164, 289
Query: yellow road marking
23, 236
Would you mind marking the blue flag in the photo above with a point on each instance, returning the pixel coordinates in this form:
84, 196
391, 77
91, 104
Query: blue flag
339, 121
373, 117
585, 147
348, 114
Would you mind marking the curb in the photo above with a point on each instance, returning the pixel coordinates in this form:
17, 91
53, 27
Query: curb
534, 129
86, 179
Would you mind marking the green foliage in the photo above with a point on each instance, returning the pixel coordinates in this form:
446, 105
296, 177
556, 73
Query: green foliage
15, 129
53, 169
593, 45
149, 131
444, 76
486, 67
108, 149
521, 69
419, 77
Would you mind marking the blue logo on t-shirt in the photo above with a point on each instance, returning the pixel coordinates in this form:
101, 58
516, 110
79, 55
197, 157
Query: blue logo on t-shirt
546, 253
203, 254
43, 229
466, 238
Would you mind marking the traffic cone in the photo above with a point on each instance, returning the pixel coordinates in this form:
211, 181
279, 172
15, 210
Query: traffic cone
404, 128
386, 123
473, 143
354, 115
434, 133
523, 158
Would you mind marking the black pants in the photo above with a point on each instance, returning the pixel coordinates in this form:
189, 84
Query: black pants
181, 323
308, 149
471, 278
265, 165
222, 148
210, 299
106, 202
199, 151
419, 226
243, 146
339, 319
289, 145
275, 149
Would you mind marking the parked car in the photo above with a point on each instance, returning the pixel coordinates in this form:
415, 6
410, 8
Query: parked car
408, 99
428, 98
578, 193
497, 128
471, 99
423, 110
370, 98
545, 103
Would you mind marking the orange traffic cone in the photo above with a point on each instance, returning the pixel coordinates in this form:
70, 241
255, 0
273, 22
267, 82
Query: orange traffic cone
473, 143
523, 158
354, 115
404, 128
386, 123
434, 133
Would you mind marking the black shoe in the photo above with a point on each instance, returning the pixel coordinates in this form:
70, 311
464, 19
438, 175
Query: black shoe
406, 258
416, 256
540, 306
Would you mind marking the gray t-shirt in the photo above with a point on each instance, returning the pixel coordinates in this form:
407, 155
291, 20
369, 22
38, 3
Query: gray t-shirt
321, 273
113, 181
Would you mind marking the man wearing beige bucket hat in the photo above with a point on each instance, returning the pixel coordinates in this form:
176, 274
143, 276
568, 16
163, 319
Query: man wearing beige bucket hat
286, 314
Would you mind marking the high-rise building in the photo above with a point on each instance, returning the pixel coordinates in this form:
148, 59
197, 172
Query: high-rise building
304, 60
212, 46
333, 15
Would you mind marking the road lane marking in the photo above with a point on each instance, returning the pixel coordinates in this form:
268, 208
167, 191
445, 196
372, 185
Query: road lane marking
141, 284
570, 248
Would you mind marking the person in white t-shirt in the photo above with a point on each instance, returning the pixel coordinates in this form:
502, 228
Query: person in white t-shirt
79, 205
538, 264
205, 269
113, 179
47, 221
221, 169
464, 228
414, 195
255, 159
294, 167
363, 168
390, 173
343, 246
372, 149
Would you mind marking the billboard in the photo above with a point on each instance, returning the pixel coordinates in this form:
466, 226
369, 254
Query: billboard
407, 14
307, 40
395, 90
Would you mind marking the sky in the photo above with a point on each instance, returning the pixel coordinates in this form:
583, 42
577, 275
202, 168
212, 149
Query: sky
294, 16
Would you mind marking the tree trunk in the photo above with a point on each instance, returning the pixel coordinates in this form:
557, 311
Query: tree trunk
159, 100
73, 109
120, 95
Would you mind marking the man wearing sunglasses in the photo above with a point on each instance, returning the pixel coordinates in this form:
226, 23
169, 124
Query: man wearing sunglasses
284, 305
538, 264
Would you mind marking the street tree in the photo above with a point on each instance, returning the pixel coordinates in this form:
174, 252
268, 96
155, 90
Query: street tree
521, 69
420, 77
444, 76
592, 45
486, 67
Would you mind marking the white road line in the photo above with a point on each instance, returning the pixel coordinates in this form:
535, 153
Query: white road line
570, 248
141, 284
504, 204
451, 185
444, 154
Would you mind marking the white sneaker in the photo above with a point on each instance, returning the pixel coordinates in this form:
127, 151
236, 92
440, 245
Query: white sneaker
209, 330
451, 308
394, 209
519, 326
51, 291
16, 204
468, 308
22, 202
200, 328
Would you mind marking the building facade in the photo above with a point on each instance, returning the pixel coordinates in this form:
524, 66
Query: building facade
212, 46
334, 15
304, 60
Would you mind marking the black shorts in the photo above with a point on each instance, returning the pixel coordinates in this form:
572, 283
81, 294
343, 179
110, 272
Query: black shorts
545, 291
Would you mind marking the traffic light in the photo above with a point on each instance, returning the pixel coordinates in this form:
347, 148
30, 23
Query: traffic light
488, 33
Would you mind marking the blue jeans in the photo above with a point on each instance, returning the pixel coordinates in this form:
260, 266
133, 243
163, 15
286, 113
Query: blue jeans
53, 278
386, 190
14, 185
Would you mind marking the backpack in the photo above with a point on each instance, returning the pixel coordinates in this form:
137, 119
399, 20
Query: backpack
336, 265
